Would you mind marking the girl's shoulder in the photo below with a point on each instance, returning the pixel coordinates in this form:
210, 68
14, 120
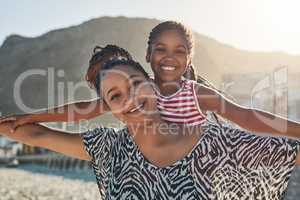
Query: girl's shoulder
202, 88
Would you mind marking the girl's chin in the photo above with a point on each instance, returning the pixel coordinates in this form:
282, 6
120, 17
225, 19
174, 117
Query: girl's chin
170, 78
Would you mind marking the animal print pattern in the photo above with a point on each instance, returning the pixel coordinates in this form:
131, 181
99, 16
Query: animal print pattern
226, 163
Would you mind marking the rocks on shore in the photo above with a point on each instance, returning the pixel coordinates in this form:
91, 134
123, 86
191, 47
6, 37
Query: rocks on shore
16, 184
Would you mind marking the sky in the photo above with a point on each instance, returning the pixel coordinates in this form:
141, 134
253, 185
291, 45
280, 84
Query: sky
254, 25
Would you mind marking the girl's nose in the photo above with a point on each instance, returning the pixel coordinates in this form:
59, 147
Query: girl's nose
169, 55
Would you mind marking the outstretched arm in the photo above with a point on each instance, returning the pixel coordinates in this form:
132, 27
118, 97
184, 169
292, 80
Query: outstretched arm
73, 112
40, 136
251, 119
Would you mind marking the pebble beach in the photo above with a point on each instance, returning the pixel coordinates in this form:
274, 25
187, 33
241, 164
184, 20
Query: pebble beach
34, 183
19, 184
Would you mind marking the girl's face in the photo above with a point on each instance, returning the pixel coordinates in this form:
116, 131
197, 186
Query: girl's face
169, 56
129, 95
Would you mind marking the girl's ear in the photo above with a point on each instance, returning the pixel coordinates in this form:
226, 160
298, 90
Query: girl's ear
189, 61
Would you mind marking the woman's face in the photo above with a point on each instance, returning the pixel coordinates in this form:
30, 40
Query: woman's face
129, 95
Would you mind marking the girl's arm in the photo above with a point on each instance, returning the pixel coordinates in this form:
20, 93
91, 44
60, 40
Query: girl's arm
73, 112
251, 119
40, 136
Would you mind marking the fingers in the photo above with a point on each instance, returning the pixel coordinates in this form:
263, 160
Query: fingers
14, 126
16, 121
12, 119
7, 119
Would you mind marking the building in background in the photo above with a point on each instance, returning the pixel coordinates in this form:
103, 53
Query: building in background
276, 92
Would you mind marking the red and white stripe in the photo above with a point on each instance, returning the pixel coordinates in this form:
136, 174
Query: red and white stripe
181, 107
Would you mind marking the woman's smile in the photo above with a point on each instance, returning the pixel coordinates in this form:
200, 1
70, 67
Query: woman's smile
129, 94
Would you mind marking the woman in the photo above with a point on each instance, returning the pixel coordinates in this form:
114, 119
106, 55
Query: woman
151, 160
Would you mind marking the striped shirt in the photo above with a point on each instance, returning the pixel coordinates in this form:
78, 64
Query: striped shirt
181, 107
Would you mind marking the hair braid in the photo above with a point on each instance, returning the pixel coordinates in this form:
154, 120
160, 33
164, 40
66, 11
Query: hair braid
100, 56
172, 25
119, 62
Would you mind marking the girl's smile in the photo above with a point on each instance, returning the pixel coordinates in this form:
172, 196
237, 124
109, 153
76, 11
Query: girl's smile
169, 56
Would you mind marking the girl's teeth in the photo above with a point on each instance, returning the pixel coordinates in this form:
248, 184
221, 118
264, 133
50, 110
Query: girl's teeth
168, 68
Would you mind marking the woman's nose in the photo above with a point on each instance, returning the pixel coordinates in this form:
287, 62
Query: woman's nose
129, 98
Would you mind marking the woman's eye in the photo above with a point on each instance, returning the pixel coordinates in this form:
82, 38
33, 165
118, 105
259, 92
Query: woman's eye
137, 82
114, 97
160, 49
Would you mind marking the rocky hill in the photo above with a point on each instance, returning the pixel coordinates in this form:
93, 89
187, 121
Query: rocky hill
55, 62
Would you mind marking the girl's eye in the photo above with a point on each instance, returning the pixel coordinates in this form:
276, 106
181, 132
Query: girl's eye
180, 51
114, 97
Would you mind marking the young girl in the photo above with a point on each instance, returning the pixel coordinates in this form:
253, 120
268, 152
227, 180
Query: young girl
216, 163
170, 49
183, 102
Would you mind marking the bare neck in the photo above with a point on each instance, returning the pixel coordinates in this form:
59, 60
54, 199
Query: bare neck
168, 88
156, 134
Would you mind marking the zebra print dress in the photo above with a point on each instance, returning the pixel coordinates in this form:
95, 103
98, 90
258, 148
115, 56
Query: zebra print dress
226, 163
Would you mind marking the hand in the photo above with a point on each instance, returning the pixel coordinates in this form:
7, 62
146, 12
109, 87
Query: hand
7, 119
17, 120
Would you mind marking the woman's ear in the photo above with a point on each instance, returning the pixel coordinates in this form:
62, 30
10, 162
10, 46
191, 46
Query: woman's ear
147, 56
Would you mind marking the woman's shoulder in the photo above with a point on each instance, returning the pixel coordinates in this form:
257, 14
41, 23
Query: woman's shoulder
102, 141
99, 131
104, 134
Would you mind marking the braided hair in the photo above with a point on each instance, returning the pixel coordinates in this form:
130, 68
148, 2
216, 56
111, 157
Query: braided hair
118, 62
171, 25
185, 32
187, 35
100, 56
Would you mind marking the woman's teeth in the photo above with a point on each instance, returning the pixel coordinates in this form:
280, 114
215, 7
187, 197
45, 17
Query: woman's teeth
136, 108
168, 68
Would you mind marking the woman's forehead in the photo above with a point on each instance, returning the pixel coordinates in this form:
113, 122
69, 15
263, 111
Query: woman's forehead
119, 77
122, 72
